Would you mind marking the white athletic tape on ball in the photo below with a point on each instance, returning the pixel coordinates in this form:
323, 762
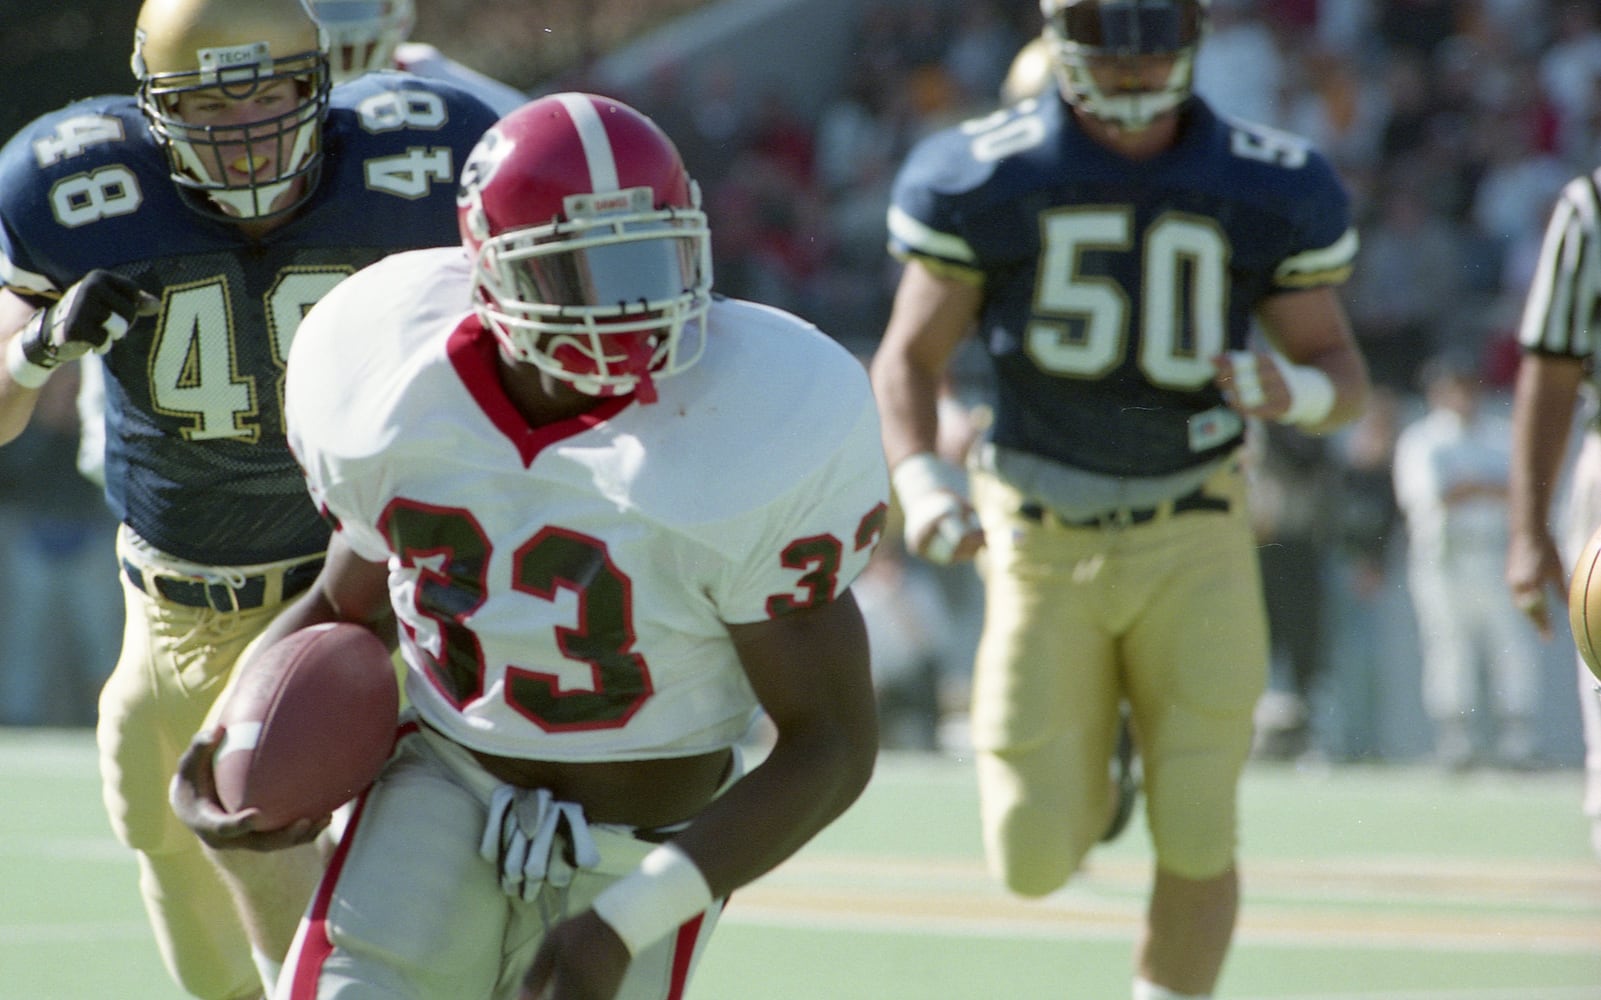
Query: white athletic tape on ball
239, 736
1247, 383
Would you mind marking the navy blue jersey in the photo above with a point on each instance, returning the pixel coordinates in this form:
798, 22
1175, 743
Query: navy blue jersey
196, 460
1110, 284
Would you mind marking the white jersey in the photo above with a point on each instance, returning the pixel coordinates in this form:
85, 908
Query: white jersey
1439, 454
564, 591
427, 61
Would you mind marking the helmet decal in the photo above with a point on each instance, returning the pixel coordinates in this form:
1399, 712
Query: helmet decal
597, 146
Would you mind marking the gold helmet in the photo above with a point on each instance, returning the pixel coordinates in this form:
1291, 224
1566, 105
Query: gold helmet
233, 49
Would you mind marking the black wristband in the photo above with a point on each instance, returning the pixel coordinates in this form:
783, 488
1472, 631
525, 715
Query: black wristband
36, 343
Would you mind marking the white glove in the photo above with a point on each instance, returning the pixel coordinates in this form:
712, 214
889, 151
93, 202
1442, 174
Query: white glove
520, 836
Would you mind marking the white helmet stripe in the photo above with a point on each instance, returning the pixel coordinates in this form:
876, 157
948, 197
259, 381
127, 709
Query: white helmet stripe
597, 146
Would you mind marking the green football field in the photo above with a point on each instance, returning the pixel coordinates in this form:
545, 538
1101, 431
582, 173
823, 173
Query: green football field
1362, 883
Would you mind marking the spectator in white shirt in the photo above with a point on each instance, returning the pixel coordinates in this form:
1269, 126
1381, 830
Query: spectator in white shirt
1451, 475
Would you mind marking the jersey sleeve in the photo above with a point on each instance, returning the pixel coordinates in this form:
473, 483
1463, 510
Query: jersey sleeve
1325, 242
1562, 312
426, 61
339, 498
925, 218
811, 541
69, 181
19, 204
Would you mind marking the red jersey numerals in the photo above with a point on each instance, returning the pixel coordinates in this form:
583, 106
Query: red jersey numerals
449, 552
819, 558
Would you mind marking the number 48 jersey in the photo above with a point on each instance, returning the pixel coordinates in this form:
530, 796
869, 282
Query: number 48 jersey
564, 591
195, 460
1110, 284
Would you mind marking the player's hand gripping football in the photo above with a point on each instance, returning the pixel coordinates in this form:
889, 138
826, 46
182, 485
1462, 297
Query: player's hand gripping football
91, 315
580, 959
194, 800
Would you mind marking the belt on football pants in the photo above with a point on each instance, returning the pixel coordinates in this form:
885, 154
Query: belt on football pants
1123, 517
243, 595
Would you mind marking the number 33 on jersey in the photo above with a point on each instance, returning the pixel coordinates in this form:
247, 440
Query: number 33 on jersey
630, 536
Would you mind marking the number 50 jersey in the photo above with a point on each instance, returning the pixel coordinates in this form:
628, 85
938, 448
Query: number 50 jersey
564, 591
1110, 284
195, 457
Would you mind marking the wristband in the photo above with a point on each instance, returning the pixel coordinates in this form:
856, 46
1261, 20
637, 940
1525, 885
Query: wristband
916, 476
654, 900
932, 491
23, 371
1311, 394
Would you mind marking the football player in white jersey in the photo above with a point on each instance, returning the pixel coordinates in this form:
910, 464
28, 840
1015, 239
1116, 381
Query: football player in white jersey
615, 519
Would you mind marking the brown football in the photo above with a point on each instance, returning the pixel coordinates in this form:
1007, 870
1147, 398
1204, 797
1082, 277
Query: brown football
308, 725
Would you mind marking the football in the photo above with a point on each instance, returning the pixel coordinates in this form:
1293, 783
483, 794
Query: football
1584, 603
307, 725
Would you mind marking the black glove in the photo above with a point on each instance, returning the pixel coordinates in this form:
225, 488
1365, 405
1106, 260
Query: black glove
91, 315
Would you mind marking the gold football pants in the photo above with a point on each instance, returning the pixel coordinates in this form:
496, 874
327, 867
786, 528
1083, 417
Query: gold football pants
1166, 613
175, 661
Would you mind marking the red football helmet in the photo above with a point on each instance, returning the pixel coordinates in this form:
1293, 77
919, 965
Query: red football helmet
591, 255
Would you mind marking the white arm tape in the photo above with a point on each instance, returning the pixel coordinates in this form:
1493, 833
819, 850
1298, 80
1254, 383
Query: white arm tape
918, 475
24, 372
1247, 383
931, 491
654, 900
1311, 394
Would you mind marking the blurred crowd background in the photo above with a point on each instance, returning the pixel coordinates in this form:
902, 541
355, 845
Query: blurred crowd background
1454, 123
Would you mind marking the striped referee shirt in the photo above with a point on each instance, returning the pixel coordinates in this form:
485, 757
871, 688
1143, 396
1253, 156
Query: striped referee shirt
1562, 314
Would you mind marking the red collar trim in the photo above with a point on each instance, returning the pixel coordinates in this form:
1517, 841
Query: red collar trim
476, 358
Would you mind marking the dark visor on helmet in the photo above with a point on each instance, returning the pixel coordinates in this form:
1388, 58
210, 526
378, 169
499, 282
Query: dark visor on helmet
1130, 29
617, 274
